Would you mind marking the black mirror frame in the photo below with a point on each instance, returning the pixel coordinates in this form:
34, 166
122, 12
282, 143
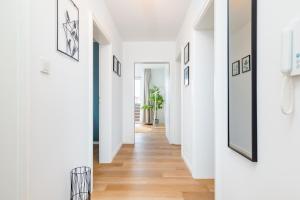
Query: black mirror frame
254, 79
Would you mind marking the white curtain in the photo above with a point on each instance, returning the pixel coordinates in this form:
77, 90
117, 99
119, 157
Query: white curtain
148, 115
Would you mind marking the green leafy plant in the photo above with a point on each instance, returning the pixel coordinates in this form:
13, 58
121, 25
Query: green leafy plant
156, 101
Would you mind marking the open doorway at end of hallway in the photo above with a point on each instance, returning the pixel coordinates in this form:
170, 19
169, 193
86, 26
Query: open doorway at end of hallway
151, 106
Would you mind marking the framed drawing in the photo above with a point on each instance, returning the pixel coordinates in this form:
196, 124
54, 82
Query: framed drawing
68, 28
236, 68
246, 64
119, 68
115, 64
187, 53
187, 76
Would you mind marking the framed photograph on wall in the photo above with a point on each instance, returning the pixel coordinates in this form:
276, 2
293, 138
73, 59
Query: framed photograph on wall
236, 68
68, 28
187, 76
187, 53
115, 64
119, 68
246, 64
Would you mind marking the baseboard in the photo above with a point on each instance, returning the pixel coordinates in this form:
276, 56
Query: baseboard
116, 150
187, 162
128, 139
95, 142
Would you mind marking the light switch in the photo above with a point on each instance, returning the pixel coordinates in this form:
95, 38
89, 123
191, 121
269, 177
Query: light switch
45, 66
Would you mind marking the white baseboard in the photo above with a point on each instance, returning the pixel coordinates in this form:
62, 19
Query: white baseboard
95, 142
116, 150
188, 163
107, 158
128, 139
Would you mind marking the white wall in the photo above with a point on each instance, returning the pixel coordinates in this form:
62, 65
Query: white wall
197, 101
203, 105
276, 175
135, 52
240, 87
9, 102
117, 110
61, 134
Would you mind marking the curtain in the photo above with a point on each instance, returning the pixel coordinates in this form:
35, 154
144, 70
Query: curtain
148, 115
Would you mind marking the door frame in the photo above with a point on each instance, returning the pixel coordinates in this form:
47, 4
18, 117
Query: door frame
168, 103
97, 33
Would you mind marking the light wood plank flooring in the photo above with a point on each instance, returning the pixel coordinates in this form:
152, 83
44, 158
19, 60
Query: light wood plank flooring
149, 170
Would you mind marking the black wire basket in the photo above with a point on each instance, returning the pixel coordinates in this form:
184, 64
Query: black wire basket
81, 183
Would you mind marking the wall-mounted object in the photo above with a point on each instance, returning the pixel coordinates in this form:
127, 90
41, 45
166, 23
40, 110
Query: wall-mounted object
246, 64
68, 28
290, 64
236, 68
242, 89
119, 68
187, 76
187, 53
45, 66
115, 64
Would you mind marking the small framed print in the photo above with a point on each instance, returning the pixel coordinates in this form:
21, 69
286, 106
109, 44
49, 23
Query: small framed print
236, 68
246, 64
115, 64
119, 68
187, 76
187, 53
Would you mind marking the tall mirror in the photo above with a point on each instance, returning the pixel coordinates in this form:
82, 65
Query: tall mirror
242, 109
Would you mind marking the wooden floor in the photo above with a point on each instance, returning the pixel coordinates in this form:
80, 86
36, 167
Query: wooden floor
150, 170
140, 128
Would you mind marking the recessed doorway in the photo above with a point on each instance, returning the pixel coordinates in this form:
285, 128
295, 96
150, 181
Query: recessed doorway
151, 100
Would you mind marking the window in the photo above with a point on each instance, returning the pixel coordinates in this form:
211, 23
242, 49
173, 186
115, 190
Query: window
138, 91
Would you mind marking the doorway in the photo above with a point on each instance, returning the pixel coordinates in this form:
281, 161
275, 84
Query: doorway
151, 100
96, 92
99, 59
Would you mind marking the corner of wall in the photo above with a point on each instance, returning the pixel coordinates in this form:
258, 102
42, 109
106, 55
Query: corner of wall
187, 162
116, 150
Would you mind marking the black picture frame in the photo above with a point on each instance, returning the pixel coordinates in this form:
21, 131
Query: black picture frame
186, 76
115, 64
254, 157
244, 67
119, 69
234, 71
187, 53
57, 31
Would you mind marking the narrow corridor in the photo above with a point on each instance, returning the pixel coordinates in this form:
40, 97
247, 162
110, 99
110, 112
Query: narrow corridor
151, 169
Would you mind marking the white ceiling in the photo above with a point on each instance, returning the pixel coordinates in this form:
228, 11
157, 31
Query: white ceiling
206, 21
240, 13
148, 20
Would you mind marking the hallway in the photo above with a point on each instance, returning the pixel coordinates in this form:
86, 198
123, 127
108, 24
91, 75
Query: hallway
152, 169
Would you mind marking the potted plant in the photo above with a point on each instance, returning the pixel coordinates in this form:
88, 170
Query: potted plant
155, 103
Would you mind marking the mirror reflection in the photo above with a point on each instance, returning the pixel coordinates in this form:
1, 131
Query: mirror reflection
242, 88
